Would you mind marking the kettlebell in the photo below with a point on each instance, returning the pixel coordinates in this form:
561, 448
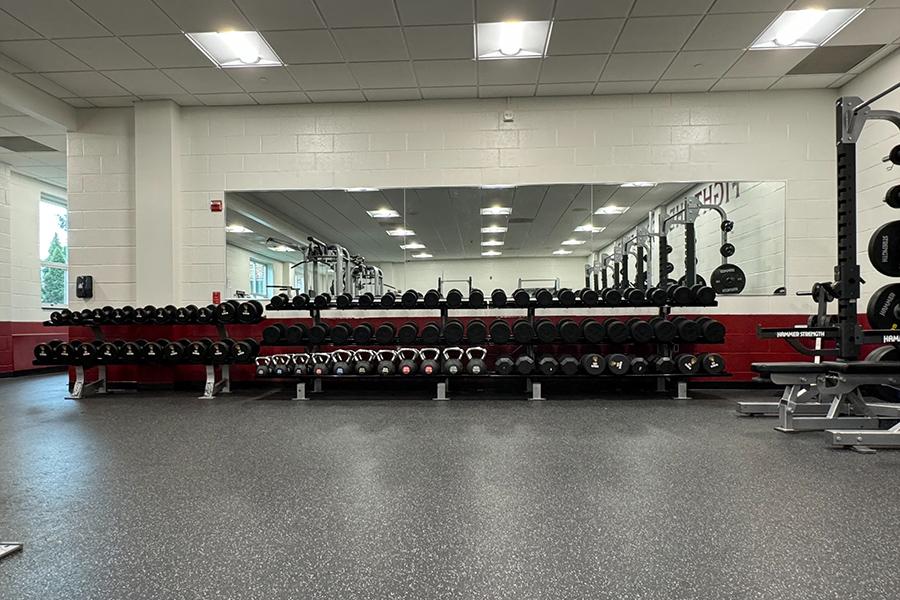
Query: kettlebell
475, 364
429, 361
363, 362
453, 364
262, 366
319, 366
408, 364
386, 364
280, 365
341, 362
301, 364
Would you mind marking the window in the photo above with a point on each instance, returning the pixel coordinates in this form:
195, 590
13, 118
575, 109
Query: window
299, 275
261, 276
53, 239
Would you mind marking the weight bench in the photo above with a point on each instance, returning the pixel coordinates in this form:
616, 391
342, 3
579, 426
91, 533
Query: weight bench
799, 379
826, 396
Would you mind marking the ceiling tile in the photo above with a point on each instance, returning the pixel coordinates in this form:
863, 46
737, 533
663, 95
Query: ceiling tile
767, 63
112, 101
384, 75
636, 67
700, 65
569, 69
624, 87
392, 95
592, 9
430, 93
87, 83
371, 44
565, 89
507, 72
885, 50
745, 6
145, 82
675, 86
797, 82
41, 55
448, 41
647, 8
11, 66
300, 47
281, 14
42, 83
140, 16
744, 83
435, 12
280, 97
195, 16
264, 79
203, 80
226, 99
181, 99
828, 4
494, 11
588, 36
104, 53
647, 34
324, 77
167, 51
13, 29
503, 91
359, 13
24, 125
729, 31
874, 26
54, 18
337, 96
834, 59
446, 73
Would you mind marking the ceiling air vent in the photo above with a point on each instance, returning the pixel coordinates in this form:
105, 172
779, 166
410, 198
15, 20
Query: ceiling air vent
833, 59
18, 143
520, 221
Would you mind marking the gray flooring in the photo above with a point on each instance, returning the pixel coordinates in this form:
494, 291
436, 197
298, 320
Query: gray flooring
165, 496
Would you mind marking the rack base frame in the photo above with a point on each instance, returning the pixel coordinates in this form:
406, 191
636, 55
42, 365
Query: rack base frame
9, 548
82, 388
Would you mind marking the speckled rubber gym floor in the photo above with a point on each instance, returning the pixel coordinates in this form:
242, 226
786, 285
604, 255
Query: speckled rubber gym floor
161, 495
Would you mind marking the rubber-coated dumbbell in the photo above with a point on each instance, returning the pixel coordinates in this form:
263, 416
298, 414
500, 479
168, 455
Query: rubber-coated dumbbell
366, 300
410, 299
130, 352
663, 330
454, 332
548, 365
166, 314
152, 351
617, 332
680, 295
639, 366
569, 331
593, 331
387, 362
618, 364
712, 363
521, 298
543, 297
688, 330
362, 333
611, 297
280, 301
300, 301
205, 314
430, 361
545, 331
524, 365
566, 297
295, 334
341, 334
687, 364
322, 300
523, 332
589, 297
243, 351
362, 362
195, 352
633, 296
568, 364
174, 351
250, 311
498, 298
408, 333
45, 352
388, 299
184, 314
408, 365
219, 352
655, 296
385, 334
453, 364
432, 299
344, 301
703, 294
712, 331
318, 333
476, 331
454, 298
593, 364
661, 364
500, 332
476, 298
641, 331
475, 364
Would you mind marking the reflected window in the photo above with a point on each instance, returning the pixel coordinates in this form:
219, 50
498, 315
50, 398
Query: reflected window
261, 276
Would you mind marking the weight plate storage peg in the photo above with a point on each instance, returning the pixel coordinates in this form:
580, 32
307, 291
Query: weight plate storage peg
728, 279
408, 365
362, 362
430, 361
475, 364
453, 364
884, 249
883, 309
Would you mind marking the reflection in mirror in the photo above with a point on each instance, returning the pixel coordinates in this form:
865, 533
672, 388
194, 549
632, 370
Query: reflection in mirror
566, 235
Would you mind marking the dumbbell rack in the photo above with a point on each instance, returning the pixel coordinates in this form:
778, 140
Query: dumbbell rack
216, 383
533, 382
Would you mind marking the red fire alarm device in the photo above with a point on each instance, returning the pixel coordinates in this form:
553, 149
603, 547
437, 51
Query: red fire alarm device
215, 206
217, 298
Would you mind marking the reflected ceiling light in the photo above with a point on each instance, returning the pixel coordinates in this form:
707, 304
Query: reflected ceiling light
498, 186
495, 211
235, 49
491, 253
573, 242
412, 246
401, 232
562, 252
611, 210
237, 229
383, 213
422, 255
808, 28
511, 39
492, 243
281, 248
494, 229
588, 228
638, 184
361, 189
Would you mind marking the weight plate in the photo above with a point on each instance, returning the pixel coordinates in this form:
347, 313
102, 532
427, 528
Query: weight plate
883, 309
892, 197
884, 249
727, 249
728, 279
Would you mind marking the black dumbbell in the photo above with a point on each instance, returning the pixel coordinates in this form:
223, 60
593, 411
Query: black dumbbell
589, 297
618, 364
475, 363
65, 352
543, 297
408, 333
226, 312
385, 334
569, 331
687, 364
593, 331
712, 331
498, 298
86, 353
611, 297
322, 300
56, 318
639, 366
500, 332
300, 301
205, 314
453, 364
318, 333
140, 315
504, 365
454, 332
593, 364
521, 298
130, 352
633, 297
250, 311
656, 296
454, 298
366, 300
703, 294
194, 353
661, 364
295, 334
566, 297
341, 334
280, 301
152, 351
617, 332
712, 363
688, 330
680, 295
388, 299
641, 331
344, 301
166, 314
548, 365
107, 352
45, 352
174, 351
430, 361
568, 364
220, 351
184, 314
243, 351
362, 362
476, 331
432, 299
431, 334
525, 365
408, 364
476, 298
410, 299
523, 332
545, 331
362, 333
663, 330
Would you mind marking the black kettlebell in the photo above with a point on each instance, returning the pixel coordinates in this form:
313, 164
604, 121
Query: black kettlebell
408, 364
453, 364
475, 365
301, 364
320, 361
430, 364
386, 362
262, 366
281, 365
362, 362
341, 362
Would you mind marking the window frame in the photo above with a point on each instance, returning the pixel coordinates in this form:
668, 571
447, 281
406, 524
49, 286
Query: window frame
64, 267
269, 278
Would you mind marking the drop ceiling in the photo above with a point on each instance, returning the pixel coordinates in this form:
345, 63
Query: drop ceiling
47, 166
113, 52
448, 220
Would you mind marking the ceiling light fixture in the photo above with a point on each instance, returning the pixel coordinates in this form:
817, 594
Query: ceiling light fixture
237, 229
412, 246
638, 184
235, 49
357, 190
494, 229
492, 243
562, 252
511, 39
495, 211
282, 248
383, 213
491, 253
422, 255
498, 186
573, 242
588, 228
611, 210
401, 232
807, 28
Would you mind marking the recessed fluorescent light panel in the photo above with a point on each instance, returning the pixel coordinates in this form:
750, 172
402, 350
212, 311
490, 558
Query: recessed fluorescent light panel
498, 186
638, 184
422, 255
412, 246
400, 232
491, 253
237, 229
282, 248
511, 39
804, 28
588, 228
492, 243
235, 49
573, 242
495, 211
361, 189
611, 210
494, 229
562, 252
383, 213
